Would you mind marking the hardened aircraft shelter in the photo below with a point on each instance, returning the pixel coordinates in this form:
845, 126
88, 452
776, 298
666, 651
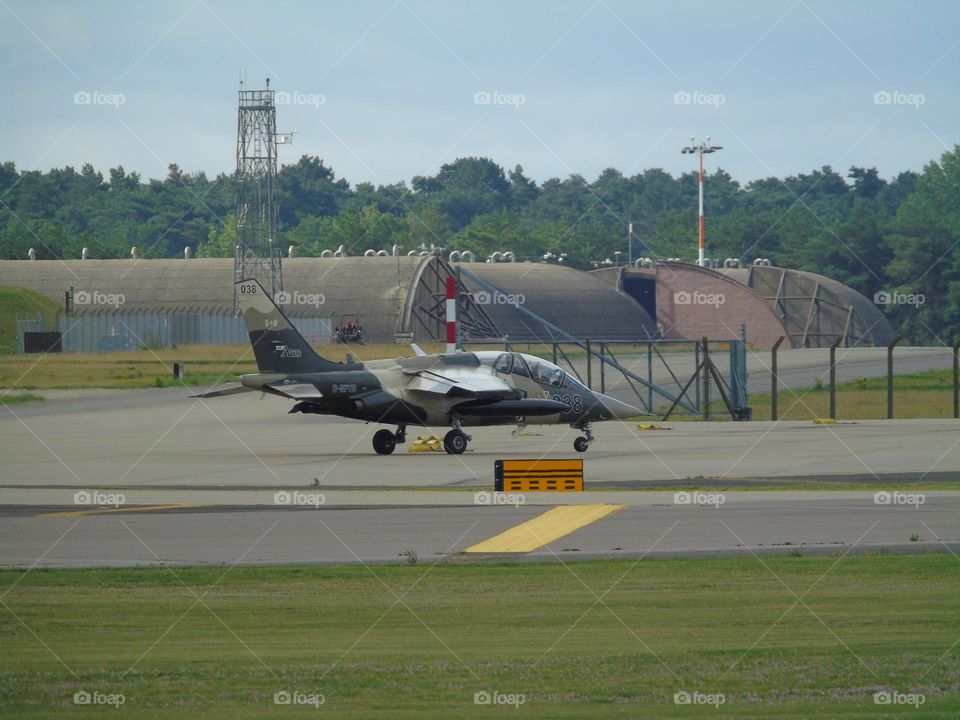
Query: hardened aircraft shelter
392, 297
807, 309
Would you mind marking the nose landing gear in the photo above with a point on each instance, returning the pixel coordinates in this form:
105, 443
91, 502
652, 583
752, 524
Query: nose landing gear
583, 442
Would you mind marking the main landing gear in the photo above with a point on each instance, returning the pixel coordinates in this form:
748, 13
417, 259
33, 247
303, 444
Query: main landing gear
385, 442
455, 441
583, 442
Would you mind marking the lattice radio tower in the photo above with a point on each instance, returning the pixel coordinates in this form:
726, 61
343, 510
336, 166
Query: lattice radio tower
257, 255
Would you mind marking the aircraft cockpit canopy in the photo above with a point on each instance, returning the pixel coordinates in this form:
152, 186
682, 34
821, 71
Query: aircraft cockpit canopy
541, 371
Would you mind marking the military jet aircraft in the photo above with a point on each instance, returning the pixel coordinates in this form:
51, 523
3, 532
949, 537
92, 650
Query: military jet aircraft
454, 390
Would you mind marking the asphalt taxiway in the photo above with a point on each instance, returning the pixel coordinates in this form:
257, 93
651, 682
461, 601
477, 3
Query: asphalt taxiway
642, 527
151, 476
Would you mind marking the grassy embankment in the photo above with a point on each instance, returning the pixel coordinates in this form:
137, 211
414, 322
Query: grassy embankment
730, 626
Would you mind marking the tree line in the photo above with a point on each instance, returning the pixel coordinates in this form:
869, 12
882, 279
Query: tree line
899, 236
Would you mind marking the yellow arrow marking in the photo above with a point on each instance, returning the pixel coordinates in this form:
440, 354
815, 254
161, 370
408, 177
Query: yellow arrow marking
544, 529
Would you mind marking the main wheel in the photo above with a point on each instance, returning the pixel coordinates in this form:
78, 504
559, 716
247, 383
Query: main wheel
384, 442
455, 442
581, 444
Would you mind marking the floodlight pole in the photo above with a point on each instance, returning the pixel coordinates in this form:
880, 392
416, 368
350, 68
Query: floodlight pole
700, 215
700, 149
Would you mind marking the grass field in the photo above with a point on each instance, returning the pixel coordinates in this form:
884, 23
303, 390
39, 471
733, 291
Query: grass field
18, 398
204, 364
923, 395
26, 303
927, 395
421, 641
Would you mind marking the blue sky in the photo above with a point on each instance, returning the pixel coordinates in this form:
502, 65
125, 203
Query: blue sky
384, 90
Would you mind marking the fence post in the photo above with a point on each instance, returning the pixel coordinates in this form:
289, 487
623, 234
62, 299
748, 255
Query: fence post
956, 379
706, 379
589, 366
833, 377
774, 380
890, 376
696, 364
603, 368
650, 376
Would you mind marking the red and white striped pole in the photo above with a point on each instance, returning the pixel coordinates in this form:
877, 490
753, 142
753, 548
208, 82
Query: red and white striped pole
700, 149
700, 239
451, 314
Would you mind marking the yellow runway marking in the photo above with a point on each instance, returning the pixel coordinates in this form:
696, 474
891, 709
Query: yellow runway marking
130, 508
544, 529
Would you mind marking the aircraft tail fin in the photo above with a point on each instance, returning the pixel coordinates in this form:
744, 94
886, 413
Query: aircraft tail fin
277, 344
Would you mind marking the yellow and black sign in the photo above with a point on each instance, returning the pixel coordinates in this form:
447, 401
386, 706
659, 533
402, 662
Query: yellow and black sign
538, 475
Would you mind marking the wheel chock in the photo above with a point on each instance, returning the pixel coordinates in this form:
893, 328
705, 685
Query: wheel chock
647, 426
824, 421
426, 443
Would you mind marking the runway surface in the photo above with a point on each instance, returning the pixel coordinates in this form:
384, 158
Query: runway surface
76, 473
742, 524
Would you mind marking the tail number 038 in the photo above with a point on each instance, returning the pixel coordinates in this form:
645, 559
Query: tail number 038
248, 289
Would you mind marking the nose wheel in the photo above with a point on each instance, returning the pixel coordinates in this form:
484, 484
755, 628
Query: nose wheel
583, 442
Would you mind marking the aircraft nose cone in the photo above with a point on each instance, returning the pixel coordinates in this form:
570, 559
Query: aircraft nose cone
619, 410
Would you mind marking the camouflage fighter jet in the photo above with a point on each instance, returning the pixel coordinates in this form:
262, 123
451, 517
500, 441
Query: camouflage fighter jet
454, 390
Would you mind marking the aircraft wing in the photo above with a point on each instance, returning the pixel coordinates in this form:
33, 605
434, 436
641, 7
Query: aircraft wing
483, 395
292, 390
232, 390
295, 390
526, 407
459, 384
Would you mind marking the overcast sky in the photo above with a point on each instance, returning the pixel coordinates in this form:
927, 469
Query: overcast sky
384, 90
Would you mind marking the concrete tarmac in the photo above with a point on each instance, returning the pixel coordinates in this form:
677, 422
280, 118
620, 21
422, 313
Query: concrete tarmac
163, 438
226, 459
